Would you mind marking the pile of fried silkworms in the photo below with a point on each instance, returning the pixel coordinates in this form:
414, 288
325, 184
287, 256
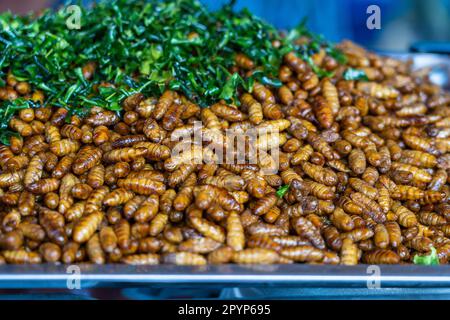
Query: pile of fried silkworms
362, 173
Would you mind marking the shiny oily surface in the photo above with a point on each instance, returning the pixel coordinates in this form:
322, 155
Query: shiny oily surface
367, 165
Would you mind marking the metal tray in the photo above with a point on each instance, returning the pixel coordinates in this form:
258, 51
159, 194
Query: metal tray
57, 276
296, 281
397, 281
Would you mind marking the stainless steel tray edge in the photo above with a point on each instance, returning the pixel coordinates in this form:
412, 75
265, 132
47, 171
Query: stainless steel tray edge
296, 275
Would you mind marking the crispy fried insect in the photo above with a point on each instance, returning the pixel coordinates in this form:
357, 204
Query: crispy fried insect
321, 191
244, 62
381, 256
132, 205
87, 226
272, 215
76, 211
418, 158
166, 201
320, 174
72, 132
184, 258
384, 199
431, 219
163, 104
369, 206
126, 154
358, 234
95, 200
96, 176
158, 223
406, 218
101, 135
261, 228
418, 143
21, 257
381, 236
419, 243
439, 179
306, 229
16, 163
255, 256
302, 253
153, 131
207, 194
33, 172
199, 245
44, 186
147, 209
357, 161
349, 252
23, 128
254, 108
235, 232
323, 112
208, 229
264, 242
26, 203
102, 118
141, 259
229, 182
395, 235
70, 252
370, 175
117, 197
13, 217
94, 250
221, 255
11, 240
63, 166
226, 112
289, 241
302, 155
32, 231
108, 239
86, 158
142, 186
320, 145
419, 175
154, 151
263, 205
341, 220
149, 245
50, 252
363, 187
404, 192
332, 237
81, 191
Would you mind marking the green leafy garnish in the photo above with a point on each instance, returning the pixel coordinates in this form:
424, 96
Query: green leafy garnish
144, 46
428, 260
282, 191
337, 54
355, 74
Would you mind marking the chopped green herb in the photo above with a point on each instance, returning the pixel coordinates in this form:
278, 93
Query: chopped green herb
355, 74
282, 191
143, 46
5, 135
338, 55
428, 260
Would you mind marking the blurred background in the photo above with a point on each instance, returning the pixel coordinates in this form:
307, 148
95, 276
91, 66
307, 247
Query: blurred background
403, 22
